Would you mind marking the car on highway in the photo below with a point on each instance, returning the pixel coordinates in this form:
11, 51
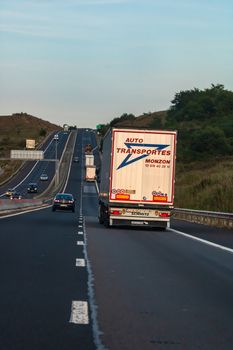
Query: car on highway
9, 192
76, 159
16, 195
64, 201
32, 187
44, 177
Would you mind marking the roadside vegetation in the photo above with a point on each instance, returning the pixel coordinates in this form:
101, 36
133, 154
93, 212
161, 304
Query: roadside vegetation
204, 122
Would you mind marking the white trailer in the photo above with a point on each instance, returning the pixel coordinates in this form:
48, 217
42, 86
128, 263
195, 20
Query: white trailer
89, 159
90, 173
137, 177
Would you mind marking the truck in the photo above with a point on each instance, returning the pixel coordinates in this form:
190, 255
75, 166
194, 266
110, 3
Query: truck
137, 178
88, 149
89, 159
90, 173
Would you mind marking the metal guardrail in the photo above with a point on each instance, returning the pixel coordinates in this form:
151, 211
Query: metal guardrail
211, 218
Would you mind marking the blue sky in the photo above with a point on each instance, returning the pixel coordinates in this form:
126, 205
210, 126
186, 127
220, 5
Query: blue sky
85, 62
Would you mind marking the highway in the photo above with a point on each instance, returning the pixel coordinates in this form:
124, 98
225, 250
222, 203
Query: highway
68, 282
32, 170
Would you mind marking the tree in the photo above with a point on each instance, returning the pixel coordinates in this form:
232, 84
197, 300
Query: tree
43, 132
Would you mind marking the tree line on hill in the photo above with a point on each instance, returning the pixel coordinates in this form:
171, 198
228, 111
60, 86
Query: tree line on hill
203, 120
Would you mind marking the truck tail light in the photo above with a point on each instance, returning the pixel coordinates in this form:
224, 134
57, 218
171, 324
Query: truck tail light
164, 215
115, 212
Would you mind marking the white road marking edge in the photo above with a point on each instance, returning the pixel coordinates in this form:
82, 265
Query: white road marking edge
202, 240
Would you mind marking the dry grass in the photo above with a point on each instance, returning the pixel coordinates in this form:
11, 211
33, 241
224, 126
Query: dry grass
208, 187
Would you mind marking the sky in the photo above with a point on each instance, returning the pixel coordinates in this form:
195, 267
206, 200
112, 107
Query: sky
85, 62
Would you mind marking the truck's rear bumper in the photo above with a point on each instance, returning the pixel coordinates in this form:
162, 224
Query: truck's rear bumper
145, 222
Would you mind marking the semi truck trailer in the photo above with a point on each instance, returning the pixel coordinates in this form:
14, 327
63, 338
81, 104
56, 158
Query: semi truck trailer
90, 173
137, 178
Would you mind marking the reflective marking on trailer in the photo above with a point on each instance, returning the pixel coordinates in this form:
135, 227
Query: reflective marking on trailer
79, 312
80, 263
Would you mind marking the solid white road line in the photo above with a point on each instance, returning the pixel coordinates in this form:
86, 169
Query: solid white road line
79, 312
203, 241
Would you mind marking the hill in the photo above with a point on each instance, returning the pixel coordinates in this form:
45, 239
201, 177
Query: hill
15, 129
151, 120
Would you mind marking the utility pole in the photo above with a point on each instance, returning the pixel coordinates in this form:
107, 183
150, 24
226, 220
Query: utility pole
56, 138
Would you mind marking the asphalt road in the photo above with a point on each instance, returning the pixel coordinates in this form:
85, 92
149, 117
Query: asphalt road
144, 289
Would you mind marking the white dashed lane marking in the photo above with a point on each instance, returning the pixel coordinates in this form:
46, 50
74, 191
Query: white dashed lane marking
80, 243
80, 262
79, 312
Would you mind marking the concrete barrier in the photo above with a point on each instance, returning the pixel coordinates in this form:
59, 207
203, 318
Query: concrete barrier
9, 204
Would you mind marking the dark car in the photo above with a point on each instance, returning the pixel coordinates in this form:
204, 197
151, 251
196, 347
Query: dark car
32, 187
76, 159
64, 201
16, 195
44, 177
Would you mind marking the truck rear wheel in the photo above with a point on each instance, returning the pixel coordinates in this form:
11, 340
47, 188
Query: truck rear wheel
100, 216
106, 221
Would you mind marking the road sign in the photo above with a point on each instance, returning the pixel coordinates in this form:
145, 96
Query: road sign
27, 155
30, 144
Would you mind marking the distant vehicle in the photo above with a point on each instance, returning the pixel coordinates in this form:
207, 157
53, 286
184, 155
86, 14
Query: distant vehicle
16, 195
32, 187
44, 177
64, 201
88, 148
9, 192
76, 159
56, 137
90, 174
89, 159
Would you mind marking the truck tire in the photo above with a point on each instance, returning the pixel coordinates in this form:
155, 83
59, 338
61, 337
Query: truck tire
101, 221
100, 216
106, 220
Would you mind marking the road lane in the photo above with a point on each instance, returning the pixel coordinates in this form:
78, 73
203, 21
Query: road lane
152, 289
160, 288
40, 281
216, 235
